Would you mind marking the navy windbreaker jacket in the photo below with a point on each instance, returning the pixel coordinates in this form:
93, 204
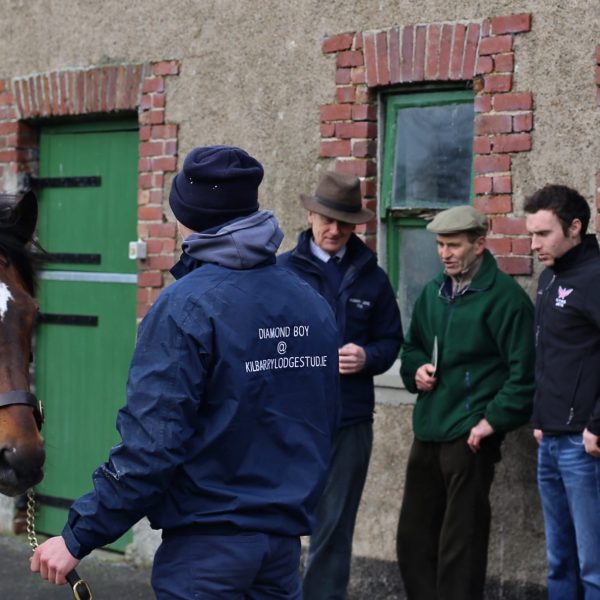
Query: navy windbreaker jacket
366, 313
232, 399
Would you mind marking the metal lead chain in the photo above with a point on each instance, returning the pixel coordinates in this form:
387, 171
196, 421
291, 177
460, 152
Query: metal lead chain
81, 590
31, 519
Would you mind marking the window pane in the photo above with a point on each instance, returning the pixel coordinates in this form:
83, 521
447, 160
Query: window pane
432, 165
419, 263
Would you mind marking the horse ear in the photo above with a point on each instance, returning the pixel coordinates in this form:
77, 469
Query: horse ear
26, 215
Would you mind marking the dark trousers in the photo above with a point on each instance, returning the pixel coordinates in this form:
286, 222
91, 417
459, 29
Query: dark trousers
328, 564
244, 566
444, 522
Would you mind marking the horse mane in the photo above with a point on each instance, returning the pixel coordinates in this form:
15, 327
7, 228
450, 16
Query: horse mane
20, 256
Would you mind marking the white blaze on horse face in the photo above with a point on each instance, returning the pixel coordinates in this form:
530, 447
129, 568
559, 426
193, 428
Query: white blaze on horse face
5, 296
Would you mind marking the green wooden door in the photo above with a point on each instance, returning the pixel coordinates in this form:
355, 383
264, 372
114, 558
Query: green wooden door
87, 295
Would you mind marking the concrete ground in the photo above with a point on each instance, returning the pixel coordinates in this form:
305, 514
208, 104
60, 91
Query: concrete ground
112, 578
107, 573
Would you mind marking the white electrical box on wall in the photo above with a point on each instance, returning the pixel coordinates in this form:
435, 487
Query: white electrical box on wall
137, 250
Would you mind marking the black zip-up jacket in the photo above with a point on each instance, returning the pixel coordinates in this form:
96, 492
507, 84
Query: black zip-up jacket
567, 316
366, 312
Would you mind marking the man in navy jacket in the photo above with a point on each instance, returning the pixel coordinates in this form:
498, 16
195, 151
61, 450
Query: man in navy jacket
232, 401
342, 269
566, 408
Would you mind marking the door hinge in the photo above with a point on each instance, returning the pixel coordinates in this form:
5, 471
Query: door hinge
62, 182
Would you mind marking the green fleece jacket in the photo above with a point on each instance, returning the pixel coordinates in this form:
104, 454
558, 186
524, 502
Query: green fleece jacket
485, 362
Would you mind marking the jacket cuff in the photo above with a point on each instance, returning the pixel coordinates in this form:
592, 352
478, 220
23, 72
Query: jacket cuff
594, 427
73, 544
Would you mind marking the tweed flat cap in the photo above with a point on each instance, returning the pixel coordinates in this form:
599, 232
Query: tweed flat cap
458, 219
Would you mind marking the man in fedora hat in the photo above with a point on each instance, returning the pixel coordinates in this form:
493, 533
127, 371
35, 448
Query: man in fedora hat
232, 403
331, 258
469, 357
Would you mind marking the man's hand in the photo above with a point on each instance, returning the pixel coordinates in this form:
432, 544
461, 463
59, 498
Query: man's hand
482, 430
424, 377
590, 441
53, 560
538, 434
352, 359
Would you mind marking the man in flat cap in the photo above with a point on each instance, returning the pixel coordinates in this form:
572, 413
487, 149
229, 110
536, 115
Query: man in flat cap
232, 402
469, 357
335, 262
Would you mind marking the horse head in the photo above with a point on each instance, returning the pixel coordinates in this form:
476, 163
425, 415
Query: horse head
21, 445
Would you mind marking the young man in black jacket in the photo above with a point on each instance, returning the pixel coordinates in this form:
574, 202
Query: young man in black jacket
566, 414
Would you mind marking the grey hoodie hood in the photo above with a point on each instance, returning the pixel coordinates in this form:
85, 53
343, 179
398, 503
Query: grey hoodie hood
240, 244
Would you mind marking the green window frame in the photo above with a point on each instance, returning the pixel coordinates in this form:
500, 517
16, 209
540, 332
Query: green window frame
404, 218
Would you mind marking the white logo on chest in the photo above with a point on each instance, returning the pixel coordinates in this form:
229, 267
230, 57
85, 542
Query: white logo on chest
561, 298
361, 304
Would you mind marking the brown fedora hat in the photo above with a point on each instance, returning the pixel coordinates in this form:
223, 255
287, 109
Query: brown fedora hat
338, 197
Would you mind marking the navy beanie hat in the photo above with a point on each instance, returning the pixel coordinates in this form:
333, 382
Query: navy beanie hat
217, 184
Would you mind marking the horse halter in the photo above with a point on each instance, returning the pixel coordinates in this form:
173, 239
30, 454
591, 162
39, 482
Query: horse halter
27, 398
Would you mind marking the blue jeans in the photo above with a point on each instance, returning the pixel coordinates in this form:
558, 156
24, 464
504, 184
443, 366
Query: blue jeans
245, 566
328, 564
569, 484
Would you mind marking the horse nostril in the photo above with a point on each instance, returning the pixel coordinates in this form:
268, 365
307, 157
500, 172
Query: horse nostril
24, 461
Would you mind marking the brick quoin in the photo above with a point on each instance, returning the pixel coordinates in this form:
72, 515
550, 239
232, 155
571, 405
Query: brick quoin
485, 123
333, 148
502, 184
417, 53
498, 245
351, 58
495, 45
360, 129
509, 225
482, 145
357, 166
516, 142
483, 103
515, 265
511, 24
358, 75
513, 101
327, 130
343, 76
504, 63
364, 112
497, 163
494, 204
498, 82
336, 112
482, 185
523, 122
521, 245
336, 43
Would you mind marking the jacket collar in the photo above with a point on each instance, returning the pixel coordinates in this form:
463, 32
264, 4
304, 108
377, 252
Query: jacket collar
357, 251
587, 250
483, 280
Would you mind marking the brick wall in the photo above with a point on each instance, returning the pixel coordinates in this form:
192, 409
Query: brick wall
105, 90
480, 52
